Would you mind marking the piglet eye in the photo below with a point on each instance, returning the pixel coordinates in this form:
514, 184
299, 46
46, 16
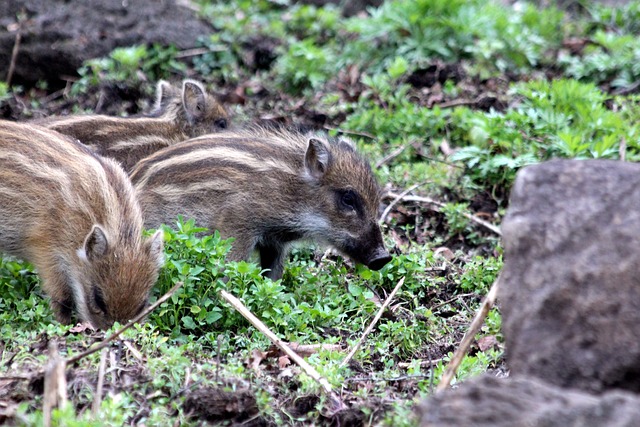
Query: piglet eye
99, 299
221, 123
348, 199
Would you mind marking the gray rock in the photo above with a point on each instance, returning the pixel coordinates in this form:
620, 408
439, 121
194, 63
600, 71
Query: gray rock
527, 402
570, 292
59, 35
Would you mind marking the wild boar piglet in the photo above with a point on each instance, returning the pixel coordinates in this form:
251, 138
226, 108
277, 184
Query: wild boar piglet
74, 215
267, 188
178, 115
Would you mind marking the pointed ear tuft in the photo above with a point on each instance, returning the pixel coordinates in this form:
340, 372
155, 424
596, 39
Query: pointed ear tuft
156, 247
317, 158
193, 99
96, 244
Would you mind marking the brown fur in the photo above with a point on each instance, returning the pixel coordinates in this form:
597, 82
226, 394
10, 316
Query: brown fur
75, 217
178, 115
267, 189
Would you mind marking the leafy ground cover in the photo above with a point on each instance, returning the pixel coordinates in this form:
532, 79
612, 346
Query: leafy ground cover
448, 99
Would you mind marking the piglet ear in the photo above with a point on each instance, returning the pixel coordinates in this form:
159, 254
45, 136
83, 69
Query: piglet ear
193, 99
164, 93
156, 247
317, 158
95, 244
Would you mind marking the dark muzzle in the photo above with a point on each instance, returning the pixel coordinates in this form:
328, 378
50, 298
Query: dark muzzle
378, 259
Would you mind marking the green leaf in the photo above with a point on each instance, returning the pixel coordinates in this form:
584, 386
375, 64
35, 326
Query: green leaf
188, 322
398, 67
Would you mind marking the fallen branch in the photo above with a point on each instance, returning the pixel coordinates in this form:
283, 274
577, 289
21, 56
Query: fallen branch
192, 52
430, 362
373, 379
306, 367
55, 384
97, 398
116, 334
351, 132
395, 201
428, 200
475, 326
22, 16
372, 324
434, 307
306, 350
395, 153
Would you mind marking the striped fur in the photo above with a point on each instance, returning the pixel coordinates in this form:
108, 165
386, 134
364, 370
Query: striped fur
74, 215
267, 188
178, 115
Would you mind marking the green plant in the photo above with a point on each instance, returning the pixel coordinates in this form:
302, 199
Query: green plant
222, 59
21, 303
611, 58
561, 118
479, 274
421, 31
133, 64
4, 91
305, 65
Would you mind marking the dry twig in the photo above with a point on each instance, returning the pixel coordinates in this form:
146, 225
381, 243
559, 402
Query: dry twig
97, 398
428, 200
306, 367
55, 383
392, 155
396, 200
116, 334
351, 132
16, 46
306, 350
372, 324
134, 351
462, 349
430, 362
192, 52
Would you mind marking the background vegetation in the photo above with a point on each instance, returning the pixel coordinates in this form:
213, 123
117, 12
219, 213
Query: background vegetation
447, 97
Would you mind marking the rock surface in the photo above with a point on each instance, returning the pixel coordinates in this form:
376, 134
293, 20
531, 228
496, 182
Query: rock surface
526, 402
570, 291
58, 35
570, 301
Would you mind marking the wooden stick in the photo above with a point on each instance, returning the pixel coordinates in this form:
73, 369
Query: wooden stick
351, 132
55, 384
16, 47
372, 324
193, 52
116, 334
306, 367
473, 218
97, 398
475, 326
306, 350
396, 200
395, 153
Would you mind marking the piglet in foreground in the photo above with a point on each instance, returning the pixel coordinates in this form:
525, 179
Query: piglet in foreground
267, 188
75, 217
